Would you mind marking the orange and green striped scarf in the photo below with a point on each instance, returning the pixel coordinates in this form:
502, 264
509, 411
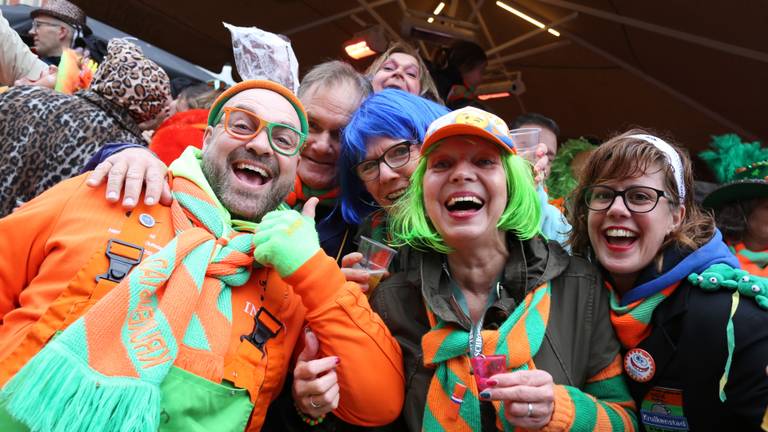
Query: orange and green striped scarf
754, 262
633, 321
452, 401
104, 371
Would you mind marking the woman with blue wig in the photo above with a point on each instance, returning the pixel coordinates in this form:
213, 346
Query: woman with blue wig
381, 130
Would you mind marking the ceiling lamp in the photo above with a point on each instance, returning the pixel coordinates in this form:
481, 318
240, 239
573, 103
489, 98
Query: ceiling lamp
531, 20
501, 89
366, 43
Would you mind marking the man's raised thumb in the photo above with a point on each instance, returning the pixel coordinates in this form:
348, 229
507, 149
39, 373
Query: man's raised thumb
309, 207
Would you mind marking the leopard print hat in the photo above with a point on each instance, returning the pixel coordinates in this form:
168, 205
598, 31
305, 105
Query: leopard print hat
132, 81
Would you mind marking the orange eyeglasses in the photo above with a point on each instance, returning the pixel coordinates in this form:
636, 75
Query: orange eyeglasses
245, 125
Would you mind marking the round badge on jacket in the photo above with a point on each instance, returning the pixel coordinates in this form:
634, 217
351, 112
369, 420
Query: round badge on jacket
639, 365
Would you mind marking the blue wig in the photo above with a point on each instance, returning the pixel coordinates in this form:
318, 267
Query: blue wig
389, 113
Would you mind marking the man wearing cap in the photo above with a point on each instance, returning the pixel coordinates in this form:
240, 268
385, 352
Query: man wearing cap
200, 334
331, 92
55, 27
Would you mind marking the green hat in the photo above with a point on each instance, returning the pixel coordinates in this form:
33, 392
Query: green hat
751, 182
741, 167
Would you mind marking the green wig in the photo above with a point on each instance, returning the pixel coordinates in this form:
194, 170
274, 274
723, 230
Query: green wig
561, 180
411, 226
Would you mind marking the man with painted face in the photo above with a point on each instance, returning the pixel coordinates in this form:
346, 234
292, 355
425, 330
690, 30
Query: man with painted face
184, 317
331, 92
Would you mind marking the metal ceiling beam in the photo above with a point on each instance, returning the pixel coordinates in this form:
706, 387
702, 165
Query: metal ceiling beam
332, 18
529, 52
475, 10
663, 86
486, 33
695, 39
423, 52
444, 18
369, 8
530, 34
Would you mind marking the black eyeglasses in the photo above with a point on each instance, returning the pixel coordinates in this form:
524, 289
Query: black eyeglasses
637, 199
395, 157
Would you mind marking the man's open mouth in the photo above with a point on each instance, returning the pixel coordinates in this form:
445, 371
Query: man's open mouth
251, 174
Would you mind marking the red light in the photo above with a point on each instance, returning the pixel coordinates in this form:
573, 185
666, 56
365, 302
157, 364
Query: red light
483, 97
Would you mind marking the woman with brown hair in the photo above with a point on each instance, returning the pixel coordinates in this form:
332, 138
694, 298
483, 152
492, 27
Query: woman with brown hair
695, 358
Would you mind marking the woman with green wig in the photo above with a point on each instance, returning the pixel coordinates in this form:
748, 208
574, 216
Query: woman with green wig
499, 328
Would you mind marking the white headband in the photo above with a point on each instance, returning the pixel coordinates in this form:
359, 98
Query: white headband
672, 157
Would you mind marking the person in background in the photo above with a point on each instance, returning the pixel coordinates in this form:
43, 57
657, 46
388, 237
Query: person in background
47, 136
55, 26
185, 125
741, 201
693, 349
458, 71
549, 135
401, 67
553, 223
480, 283
17, 62
566, 168
200, 334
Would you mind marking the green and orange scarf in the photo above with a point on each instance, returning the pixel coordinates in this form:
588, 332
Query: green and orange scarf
104, 371
453, 403
301, 193
754, 262
633, 321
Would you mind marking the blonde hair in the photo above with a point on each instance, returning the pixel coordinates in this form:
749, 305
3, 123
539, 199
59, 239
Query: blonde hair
623, 157
428, 87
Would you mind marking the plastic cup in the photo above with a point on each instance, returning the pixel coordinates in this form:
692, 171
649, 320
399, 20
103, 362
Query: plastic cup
526, 140
376, 259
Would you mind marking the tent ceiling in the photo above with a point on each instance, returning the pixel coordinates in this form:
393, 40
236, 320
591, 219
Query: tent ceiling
709, 91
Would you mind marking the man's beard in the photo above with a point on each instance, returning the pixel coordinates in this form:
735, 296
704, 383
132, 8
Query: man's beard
243, 204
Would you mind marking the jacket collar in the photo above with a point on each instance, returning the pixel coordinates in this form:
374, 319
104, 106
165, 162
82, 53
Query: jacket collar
530, 263
119, 114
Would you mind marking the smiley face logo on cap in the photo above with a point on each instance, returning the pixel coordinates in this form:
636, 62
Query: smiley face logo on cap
472, 119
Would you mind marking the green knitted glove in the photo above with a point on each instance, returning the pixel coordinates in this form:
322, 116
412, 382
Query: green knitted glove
285, 239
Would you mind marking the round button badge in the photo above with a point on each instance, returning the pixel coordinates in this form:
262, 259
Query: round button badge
639, 365
147, 220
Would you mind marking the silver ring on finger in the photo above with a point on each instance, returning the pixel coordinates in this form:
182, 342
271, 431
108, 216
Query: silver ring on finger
530, 410
313, 403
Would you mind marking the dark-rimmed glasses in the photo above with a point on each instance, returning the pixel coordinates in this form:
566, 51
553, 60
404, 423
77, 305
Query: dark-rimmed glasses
637, 199
395, 157
245, 125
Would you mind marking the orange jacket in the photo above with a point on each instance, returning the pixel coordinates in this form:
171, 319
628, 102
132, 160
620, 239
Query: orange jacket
44, 244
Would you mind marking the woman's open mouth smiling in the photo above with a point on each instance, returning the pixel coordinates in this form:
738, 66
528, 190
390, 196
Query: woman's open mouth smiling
464, 205
619, 239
